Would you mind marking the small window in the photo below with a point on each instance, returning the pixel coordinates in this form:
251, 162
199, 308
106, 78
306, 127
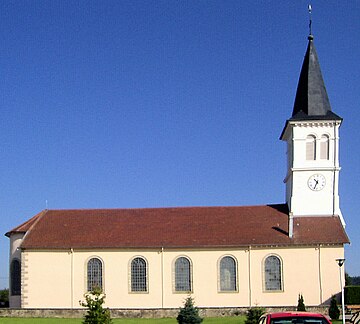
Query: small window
182, 274
310, 147
94, 274
138, 275
273, 272
228, 274
15, 275
324, 147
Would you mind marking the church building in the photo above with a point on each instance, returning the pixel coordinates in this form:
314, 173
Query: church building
153, 258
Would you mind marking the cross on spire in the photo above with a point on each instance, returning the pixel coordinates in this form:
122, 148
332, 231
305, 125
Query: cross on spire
310, 19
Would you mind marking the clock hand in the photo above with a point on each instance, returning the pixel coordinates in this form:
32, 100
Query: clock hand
316, 183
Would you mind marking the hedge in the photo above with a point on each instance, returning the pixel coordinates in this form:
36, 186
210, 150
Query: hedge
352, 295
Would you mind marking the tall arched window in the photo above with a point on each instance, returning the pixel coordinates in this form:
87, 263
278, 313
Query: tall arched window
15, 275
324, 147
138, 275
227, 271
273, 273
310, 147
182, 274
94, 274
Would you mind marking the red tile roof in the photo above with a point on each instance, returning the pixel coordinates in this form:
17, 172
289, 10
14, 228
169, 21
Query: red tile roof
24, 227
185, 227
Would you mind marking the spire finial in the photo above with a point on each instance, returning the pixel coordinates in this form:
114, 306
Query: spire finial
310, 22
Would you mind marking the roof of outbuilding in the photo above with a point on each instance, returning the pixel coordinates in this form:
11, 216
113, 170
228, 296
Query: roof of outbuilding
181, 227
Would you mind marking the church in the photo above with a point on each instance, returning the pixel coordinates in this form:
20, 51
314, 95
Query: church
242, 256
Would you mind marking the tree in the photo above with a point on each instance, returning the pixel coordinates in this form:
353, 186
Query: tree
301, 305
253, 315
334, 311
96, 314
351, 281
4, 298
348, 280
189, 314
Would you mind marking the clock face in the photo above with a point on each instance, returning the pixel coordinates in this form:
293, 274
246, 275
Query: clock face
316, 182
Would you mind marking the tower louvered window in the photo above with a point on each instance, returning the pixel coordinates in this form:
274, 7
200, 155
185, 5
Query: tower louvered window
94, 274
310, 147
138, 275
182, 275
324, 147
273, 273
228, 274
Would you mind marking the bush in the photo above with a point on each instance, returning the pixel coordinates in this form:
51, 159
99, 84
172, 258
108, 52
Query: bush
301, 305
189, 314
334, 311
253, 315
96, 314
352, 295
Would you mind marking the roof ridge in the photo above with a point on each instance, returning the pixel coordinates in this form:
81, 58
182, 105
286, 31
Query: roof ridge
169, 207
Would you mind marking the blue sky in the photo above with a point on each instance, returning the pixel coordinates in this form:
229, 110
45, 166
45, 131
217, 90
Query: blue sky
108, 104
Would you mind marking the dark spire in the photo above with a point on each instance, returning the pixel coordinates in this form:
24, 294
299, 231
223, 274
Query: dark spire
311, 101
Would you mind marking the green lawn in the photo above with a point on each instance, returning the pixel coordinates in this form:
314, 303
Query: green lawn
218, 320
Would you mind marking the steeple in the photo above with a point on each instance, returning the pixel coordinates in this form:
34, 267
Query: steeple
312, 137
311, 101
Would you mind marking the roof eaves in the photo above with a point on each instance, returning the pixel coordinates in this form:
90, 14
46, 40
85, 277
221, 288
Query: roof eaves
182, 247
299, 116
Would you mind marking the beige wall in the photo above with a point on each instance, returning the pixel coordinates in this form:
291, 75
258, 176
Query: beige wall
58, 279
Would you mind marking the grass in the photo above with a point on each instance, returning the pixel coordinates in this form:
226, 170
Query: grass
210, 320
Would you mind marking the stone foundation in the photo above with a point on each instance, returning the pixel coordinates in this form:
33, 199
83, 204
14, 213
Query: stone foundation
143, 313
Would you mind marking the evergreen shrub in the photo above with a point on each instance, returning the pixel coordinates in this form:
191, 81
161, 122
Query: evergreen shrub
301, 305
334, 311
189, 314
253, 315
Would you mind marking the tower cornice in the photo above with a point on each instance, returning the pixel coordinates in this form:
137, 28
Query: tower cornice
310, 122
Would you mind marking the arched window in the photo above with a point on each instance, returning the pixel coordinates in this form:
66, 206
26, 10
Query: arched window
227, 269
324, 147
15, 275
182, 274
310, 147
138, 275
94, 274
273, 273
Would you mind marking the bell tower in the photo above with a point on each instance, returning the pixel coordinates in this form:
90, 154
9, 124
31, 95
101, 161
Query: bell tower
312, 137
